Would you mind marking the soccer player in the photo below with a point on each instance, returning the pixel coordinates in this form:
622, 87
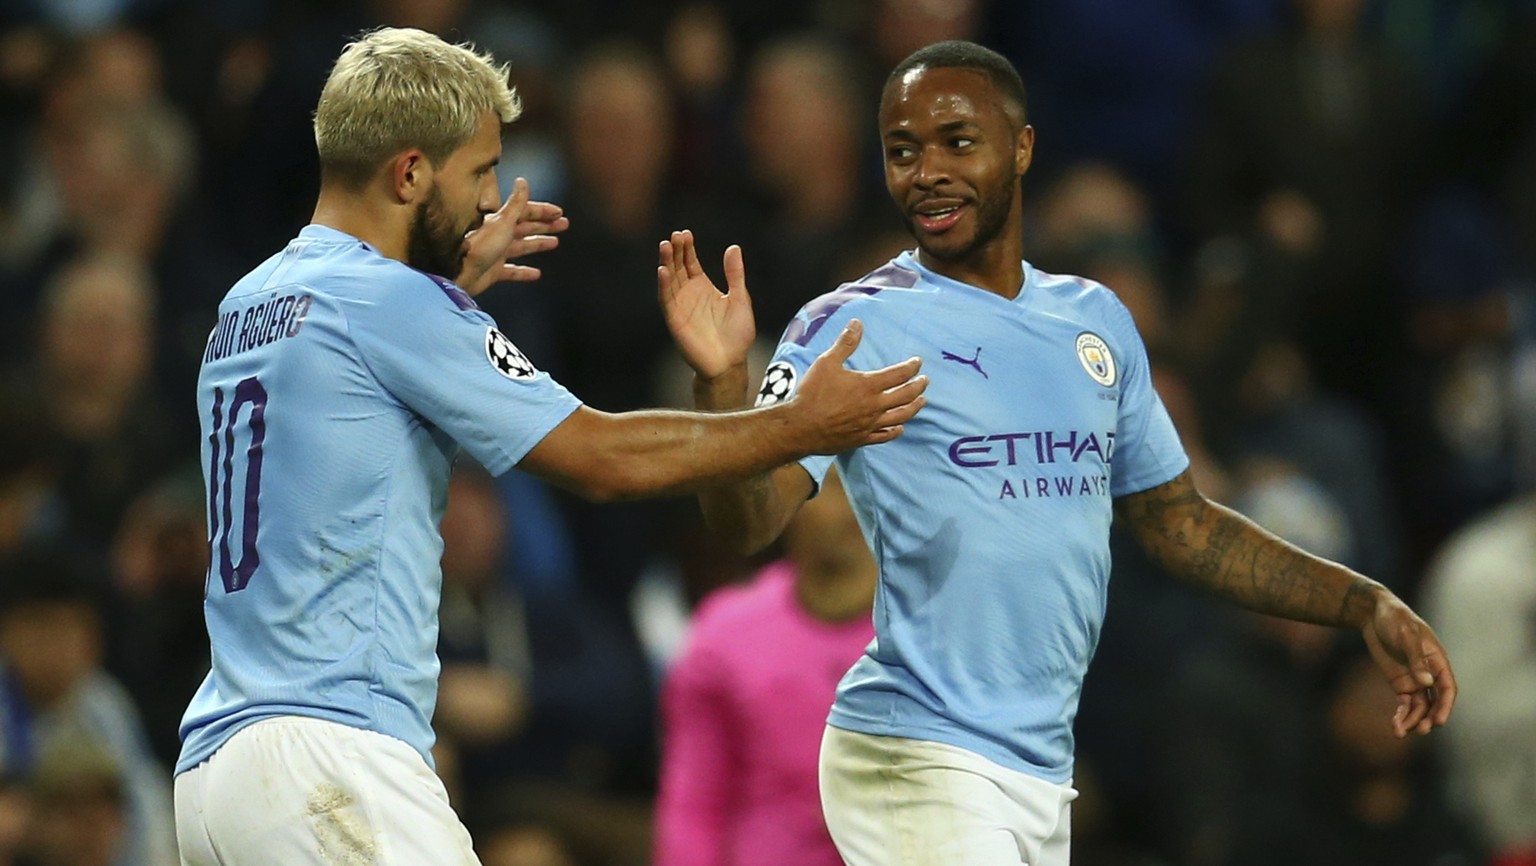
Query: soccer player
950, 741
341, 378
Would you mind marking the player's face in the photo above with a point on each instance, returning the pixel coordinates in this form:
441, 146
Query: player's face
953, 160
463, 191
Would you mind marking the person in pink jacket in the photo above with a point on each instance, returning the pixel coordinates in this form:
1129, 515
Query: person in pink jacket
744, 707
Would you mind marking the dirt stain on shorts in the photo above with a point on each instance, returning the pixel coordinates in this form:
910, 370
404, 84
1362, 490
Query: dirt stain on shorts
343, 834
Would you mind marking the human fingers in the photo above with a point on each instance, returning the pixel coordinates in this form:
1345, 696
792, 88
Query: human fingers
516, 201
518, 273
899, 415
842, 349
883, 434
896, 374
735, 272
691, 255
904, 393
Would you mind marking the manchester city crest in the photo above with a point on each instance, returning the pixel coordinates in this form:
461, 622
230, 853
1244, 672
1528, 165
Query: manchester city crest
1093, 354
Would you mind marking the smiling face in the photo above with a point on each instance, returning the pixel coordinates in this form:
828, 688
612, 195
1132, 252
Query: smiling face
462, 191
954, 153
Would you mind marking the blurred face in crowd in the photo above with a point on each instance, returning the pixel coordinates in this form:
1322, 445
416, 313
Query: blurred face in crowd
50, 647
953, 159
97, 328
460, 193
620, 124
799, 113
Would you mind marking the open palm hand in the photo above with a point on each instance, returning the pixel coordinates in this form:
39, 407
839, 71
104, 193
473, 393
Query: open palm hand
713, 329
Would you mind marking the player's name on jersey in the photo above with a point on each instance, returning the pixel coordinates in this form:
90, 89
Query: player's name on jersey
1058, 487
272, 319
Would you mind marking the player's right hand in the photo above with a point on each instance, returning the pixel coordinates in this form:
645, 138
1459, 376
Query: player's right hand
845, 408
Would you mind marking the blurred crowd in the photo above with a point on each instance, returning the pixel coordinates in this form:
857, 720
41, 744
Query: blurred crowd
1322, 214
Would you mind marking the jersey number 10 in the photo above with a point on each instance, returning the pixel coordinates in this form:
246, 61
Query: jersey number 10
221, 477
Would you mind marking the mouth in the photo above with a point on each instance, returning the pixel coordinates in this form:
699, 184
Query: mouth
936, 216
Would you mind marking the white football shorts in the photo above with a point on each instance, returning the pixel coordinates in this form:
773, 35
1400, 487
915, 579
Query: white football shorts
306, 792
891, 801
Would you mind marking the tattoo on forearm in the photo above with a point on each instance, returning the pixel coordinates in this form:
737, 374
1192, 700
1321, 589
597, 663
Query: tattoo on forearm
1215, 547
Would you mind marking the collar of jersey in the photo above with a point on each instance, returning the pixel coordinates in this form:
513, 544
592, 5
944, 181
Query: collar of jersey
316, 232
908, 259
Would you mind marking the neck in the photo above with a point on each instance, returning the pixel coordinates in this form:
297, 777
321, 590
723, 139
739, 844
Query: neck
382, 225
996, 266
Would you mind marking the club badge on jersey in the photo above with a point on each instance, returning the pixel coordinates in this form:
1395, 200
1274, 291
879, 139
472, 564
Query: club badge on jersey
1094, 355
508, 360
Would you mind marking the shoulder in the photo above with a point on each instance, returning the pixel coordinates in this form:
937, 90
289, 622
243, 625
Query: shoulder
884, 293
1091, 302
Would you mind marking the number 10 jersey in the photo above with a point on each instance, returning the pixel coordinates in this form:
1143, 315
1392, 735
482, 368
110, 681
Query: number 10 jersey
335, 391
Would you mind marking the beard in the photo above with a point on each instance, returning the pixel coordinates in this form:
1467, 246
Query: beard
991, 218
435, 245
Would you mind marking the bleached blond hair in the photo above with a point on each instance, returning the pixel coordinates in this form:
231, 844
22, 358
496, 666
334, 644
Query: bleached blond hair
399, 88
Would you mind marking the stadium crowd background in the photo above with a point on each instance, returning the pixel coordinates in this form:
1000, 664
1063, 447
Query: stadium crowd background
1322, 214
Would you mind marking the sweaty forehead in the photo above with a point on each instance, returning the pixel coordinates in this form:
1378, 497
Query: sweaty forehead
939, 95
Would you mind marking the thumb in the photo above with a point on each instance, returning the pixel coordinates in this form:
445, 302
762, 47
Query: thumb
735, 272
847, 341
517, 200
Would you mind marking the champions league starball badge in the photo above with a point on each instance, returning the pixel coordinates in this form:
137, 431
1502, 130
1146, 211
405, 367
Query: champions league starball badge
505, 357
778, 384
1093, 354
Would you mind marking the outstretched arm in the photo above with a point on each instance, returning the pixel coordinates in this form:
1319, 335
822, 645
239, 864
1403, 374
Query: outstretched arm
1208, 544
607, 456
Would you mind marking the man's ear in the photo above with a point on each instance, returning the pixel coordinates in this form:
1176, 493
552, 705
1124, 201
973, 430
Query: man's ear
410, 176
1024, 149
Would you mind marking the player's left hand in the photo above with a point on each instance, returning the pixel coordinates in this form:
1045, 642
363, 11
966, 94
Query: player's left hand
1415, 663
518, 228
713, 329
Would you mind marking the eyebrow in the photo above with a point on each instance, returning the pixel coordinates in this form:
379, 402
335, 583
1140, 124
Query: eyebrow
951, 126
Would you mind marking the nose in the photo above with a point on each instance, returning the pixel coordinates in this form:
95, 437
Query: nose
490, 193
932, 169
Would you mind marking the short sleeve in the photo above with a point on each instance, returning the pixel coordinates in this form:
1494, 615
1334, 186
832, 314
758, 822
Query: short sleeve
810, 333
1147, 447
445, 359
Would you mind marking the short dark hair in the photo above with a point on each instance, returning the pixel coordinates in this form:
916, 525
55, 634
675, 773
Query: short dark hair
959, 54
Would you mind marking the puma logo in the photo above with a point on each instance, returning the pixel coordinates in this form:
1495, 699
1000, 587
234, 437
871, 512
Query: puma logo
969, 362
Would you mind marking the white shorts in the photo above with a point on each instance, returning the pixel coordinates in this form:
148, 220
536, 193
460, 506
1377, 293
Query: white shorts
890, 801
300, 791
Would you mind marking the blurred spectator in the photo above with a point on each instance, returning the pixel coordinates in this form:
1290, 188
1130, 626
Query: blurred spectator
1312, 141
160, 647
81, 815
57, 702
1480, 594
15, 820
107, 431
804, 141
1371, 797
1119, 82
745, 705
546, 709
1471, 389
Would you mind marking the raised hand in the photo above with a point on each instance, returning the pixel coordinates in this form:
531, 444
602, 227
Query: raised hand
712, 329
518, 228
848, 408
1415, 663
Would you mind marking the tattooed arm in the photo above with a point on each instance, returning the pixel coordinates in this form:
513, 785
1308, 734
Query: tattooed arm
1209, 545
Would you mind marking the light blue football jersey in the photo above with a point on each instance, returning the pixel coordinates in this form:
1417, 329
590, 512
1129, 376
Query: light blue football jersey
990, 516
335, 392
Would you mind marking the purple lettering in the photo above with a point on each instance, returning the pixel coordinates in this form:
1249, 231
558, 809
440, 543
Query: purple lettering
1007, 492
1042, 487
961, 447
1009, 438
300, 310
